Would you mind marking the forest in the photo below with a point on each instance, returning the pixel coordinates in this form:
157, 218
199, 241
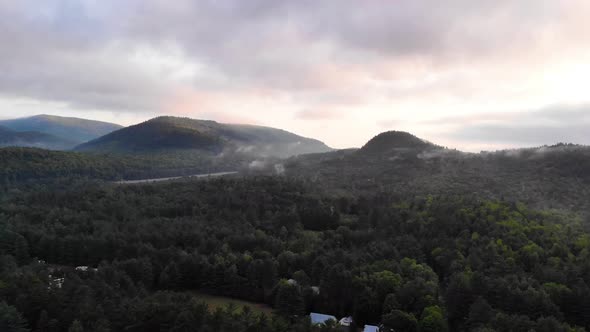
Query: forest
294, 166
22, 166
94, 256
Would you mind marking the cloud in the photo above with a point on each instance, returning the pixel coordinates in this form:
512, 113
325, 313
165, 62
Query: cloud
364, 64
309, 114
556, 124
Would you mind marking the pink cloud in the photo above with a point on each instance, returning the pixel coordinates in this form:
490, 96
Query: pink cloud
205, 105
318, 114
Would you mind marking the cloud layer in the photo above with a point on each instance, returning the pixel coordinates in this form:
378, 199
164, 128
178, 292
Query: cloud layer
338, 70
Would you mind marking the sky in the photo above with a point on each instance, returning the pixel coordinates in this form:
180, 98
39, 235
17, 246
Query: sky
471, 75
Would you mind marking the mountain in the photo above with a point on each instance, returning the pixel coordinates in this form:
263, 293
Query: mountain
210, 137
9, 137
555, 176
74, 130
395, 141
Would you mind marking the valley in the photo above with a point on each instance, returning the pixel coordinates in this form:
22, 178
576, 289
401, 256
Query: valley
401, 233
294, 166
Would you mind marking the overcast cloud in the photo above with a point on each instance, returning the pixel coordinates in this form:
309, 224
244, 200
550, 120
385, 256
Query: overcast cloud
468, 74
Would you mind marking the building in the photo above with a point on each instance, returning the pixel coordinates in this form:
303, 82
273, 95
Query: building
317, 319
345, 321
315, 290
371, 328
84, 268
55, 282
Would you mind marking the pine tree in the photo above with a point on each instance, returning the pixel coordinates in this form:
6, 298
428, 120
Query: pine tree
21, 250
289, 301
76, 327
11, 320
43, 322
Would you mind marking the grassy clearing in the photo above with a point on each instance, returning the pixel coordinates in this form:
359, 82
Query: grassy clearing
215, 302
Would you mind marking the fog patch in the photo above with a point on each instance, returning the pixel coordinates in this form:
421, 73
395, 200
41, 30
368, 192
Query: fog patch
279, 169
257, 165
426, 155
245, 148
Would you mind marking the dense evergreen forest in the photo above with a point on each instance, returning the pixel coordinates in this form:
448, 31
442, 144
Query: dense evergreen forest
546, 177
412, 263
29, 166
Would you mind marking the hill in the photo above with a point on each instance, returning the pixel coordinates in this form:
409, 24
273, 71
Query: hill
210, 137
409, 233
392, 141
37, 139
546, 177
72, 129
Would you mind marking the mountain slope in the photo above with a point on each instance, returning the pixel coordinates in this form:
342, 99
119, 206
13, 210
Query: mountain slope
392, 141
172, 133
73, 129
9, 137
546, 177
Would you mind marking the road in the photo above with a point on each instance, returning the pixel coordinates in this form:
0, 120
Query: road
206, 175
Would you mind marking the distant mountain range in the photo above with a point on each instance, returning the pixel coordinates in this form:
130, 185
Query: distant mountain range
9, 137
398, 163
163, 134
59, 133
211, 138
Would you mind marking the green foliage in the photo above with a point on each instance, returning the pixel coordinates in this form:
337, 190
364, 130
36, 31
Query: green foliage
433, 320
413, 263
11, 320
289, 301
35, 167
400, 321
76, 327
480, 313
172, 133
548, 177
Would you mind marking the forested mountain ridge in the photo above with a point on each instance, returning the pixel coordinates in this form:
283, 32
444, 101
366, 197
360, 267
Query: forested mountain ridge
207, 136
392, 141
9, 137
401, 232
555, 176
74, 130
20, 166
546, 177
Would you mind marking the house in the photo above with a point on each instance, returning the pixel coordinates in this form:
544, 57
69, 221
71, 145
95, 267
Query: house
317, 319
345, 321
371, 328
292, 282
315, 290
55, 282
84, 268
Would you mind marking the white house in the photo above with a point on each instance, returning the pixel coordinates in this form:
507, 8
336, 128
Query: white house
84, 268
345, 321
371, 328
317, 319
55, 282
